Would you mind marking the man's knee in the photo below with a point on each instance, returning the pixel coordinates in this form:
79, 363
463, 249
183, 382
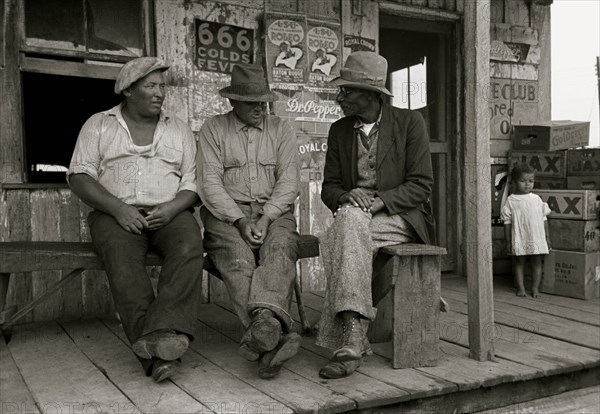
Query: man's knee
351, 216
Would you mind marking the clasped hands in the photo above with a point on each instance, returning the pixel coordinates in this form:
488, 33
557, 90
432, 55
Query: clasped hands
131, 219
359, 198
253, 231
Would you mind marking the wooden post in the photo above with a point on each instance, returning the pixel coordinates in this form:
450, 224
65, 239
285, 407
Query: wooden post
477, 191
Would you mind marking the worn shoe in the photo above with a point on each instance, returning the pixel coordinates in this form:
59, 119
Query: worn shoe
165, 344
337, 369
355, 341
161, 370
263, 335
270, 363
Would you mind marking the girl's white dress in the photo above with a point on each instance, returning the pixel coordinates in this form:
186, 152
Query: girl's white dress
527, 214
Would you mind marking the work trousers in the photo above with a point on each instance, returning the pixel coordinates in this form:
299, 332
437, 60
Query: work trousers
176, 304
255, 278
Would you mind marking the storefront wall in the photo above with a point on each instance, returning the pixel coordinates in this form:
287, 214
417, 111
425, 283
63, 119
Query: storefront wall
51, 212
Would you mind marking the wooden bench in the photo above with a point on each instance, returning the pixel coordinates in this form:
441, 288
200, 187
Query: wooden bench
409, 315
19, 257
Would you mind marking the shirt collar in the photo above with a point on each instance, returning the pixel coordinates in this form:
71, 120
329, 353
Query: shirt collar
239, 125
359, 123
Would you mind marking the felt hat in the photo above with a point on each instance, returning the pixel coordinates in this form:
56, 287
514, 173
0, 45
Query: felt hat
364, 70
248, 84
135, 70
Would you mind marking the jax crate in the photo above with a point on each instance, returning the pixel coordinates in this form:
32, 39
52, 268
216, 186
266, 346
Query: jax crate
572, 204
544, 163
551, 135
583, 162
583, 183
571, 274
550, 183
575, 235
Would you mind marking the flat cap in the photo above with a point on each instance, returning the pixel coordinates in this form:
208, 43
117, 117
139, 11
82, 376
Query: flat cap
135, 70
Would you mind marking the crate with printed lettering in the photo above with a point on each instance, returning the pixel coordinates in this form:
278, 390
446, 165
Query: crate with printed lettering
551, 135
572, 274
575, 235
572, 204
546, 164
550, 183
583, 162
583, 183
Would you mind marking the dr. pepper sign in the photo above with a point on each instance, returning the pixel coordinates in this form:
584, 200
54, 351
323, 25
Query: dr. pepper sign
220, 46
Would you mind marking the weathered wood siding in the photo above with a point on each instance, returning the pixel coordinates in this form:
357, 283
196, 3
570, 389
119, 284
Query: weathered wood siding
519, 90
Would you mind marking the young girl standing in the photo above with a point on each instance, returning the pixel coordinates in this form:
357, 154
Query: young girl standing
526, 226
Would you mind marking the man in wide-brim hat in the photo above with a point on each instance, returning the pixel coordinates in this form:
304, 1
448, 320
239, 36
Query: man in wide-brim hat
377, 182
248, 175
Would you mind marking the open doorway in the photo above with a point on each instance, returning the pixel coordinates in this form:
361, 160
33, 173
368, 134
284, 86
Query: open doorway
422, 77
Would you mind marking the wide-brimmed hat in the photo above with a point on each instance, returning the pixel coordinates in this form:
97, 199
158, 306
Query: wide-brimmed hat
248, 84
135, 70
364, 70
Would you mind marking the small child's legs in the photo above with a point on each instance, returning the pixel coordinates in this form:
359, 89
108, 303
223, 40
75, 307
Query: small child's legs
519, 268
536, 267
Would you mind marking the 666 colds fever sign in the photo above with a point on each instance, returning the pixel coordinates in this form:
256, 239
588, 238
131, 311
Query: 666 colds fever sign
220, 46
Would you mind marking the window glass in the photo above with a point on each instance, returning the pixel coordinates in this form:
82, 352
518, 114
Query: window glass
55, 23
115, 26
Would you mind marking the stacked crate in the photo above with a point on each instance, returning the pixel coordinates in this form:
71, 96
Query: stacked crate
568, 180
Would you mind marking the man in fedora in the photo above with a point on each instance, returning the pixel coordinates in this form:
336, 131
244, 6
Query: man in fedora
135, 166
248, 175
377, 183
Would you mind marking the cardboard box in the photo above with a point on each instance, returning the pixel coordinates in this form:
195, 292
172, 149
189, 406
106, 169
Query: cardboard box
572, 204
583, 162
551, 135
550, 183
575, 235
544, 163
583, 183
572, 274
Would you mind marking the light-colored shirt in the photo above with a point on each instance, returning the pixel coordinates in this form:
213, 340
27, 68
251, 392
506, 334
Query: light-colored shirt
243, 164
141, 176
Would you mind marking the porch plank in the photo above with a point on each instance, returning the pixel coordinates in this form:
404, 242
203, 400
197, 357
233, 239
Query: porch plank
118, 362
366, 391
415, 383
14, 395
206, 382
60, 376
528, 320
568, 308
291, 389
547, 355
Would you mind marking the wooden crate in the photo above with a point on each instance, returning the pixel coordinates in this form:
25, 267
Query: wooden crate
572, 274
575, 235
583, 183
572, 204
545, 163
551, 135
550, 183
583, 162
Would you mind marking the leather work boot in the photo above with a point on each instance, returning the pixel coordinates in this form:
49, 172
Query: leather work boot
161, 370
165, 344
336, 369
355, 341
270, 363
263, 335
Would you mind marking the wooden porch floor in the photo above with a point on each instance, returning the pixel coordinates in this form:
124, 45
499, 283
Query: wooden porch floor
543, 347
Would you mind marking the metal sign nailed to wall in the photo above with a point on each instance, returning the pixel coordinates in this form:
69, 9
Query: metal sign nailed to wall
220, 46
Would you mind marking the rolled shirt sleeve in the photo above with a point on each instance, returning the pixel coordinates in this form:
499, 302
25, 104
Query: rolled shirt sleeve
188, 162
86, 156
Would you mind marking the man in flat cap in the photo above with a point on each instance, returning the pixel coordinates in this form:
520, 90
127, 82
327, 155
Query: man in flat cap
248, 177
135, 166
377, 182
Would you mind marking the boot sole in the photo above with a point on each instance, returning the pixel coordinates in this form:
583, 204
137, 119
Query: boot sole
264, 337
167, 349
288, 349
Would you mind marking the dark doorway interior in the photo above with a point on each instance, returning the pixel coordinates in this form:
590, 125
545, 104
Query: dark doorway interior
55, 107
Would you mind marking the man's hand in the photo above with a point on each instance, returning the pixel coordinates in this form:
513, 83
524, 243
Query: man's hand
130, 219
358, 198
377, 205
260, 228
160, 215
248, 230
